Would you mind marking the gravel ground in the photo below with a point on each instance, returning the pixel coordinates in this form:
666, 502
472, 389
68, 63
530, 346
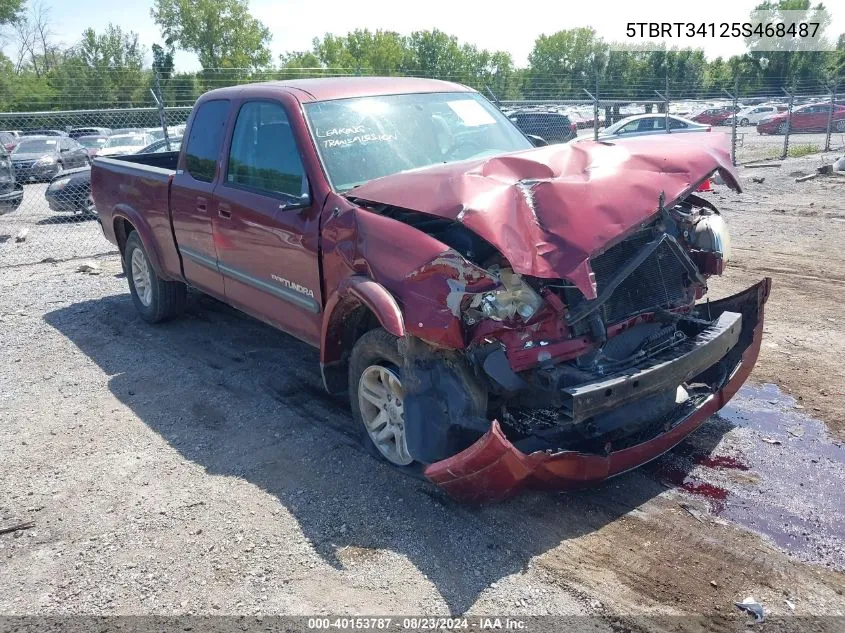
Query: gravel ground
197, 467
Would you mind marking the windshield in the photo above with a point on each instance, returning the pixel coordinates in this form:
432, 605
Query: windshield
92, 141
36, 145
362, 139
126, 140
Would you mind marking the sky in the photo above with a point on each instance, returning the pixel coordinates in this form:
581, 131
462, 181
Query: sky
294, 23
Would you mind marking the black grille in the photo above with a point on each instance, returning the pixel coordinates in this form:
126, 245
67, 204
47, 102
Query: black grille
661, 281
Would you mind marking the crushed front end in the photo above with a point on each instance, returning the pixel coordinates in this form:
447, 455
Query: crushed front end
563, 336
581, 389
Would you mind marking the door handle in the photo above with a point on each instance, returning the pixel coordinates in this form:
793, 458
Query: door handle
224, 211
202, 205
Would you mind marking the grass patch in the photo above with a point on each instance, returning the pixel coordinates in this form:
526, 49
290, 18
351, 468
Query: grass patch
796, 151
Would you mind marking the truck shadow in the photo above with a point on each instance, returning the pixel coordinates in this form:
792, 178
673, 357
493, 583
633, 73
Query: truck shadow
242, 399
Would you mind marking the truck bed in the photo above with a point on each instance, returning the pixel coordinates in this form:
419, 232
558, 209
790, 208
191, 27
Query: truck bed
136, 188
162, 160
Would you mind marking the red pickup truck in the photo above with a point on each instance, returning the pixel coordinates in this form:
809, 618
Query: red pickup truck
501, 314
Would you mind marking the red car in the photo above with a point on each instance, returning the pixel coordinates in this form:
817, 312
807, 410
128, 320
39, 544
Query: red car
713, 116
808, 118
501, 315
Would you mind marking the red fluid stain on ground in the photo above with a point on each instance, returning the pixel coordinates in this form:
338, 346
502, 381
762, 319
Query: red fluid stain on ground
792, 491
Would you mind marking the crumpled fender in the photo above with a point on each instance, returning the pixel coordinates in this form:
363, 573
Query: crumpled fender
493, 469
548, 210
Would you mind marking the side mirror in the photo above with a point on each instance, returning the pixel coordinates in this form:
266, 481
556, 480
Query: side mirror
296, 203
537, 141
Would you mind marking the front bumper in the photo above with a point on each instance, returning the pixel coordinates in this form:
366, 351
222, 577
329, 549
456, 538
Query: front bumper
36, 173
493, 468
10, 195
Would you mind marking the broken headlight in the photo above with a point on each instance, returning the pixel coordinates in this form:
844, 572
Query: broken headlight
711, 236
516, 299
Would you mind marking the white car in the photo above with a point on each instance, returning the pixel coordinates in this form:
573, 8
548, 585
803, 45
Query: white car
645, 124
752, 115
124, 144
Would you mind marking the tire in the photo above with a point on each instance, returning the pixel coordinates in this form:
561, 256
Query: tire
744, 123
162, 300
88, 208
378, 349
782, 128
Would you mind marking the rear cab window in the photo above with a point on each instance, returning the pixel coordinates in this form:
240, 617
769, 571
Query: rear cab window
205, 139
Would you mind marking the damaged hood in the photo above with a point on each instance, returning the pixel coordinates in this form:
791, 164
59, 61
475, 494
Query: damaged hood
549, 209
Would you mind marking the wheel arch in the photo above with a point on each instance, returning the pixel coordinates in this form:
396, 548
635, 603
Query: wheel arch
356, 307
124, 222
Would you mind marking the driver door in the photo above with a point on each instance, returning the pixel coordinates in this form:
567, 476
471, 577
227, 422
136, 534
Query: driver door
266, 225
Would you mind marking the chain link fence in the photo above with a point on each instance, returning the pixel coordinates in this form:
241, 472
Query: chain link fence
47, 214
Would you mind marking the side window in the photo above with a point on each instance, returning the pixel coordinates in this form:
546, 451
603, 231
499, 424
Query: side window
674, 124
263, 156
205, 139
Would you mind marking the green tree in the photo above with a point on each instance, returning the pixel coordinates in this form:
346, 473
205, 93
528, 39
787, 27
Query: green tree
109, 65
222, 33
564, 63
10, 11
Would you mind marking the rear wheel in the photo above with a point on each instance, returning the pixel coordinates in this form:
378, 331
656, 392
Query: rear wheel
744, 122
376, 395
155, 299
840, 125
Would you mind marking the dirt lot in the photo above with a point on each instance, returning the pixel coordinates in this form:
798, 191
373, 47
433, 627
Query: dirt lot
197, 467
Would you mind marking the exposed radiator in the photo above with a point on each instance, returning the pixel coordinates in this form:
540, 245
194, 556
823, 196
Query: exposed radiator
661, 281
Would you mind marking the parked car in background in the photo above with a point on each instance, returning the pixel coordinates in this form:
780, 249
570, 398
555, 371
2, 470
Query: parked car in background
77, 132
501, 315
127, 130
156, 147
645, 124
8, 140
552, 127
44, 157
713, 116
808, 118
71, 193
752, 115
93, 144
44, 132
124, 144
11, 192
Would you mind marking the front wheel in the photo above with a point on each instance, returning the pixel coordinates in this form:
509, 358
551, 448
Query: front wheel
744, 122
155, 299
840, 125
376, 395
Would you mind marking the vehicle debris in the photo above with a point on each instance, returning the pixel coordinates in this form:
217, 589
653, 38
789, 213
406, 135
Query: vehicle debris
91, 268
807, 177
695, 514
790, 604
21, 235
769, 440
753, 607
759, 179
17, 528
